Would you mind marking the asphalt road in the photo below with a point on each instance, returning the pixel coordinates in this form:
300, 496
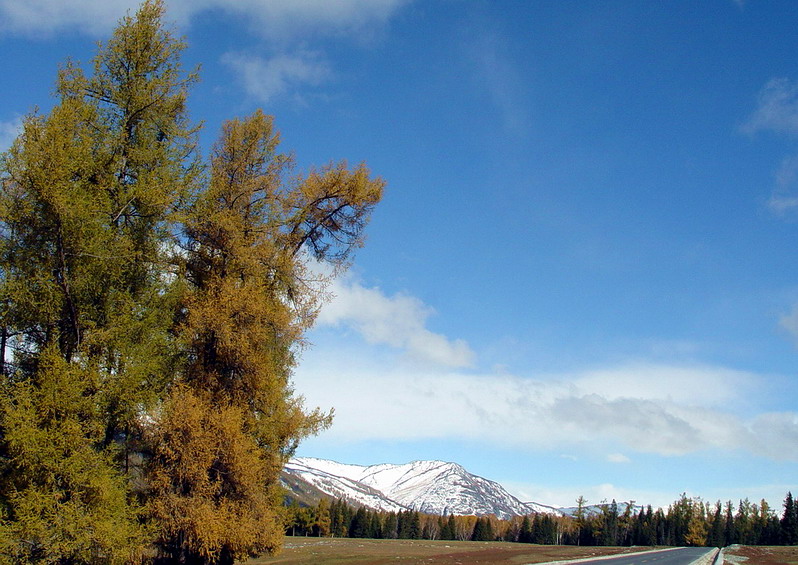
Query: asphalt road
681, 556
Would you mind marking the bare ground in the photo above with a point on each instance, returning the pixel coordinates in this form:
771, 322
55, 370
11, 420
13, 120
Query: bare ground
335, 551
757, 555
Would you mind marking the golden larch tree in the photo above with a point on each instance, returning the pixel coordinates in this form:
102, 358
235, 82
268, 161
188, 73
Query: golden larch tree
233, 419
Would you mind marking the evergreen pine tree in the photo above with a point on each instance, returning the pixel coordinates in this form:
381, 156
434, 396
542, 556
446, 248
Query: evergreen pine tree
451, 528
414, 526
375, 526
525, 535
716, 533
610, 532
729, 532
478, 533
443, 532
789, 521
360, 524
390, 529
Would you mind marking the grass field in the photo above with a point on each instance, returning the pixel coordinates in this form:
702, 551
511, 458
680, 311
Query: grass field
335, 551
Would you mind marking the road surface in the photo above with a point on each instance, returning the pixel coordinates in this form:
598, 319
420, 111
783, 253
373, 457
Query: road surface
680, 556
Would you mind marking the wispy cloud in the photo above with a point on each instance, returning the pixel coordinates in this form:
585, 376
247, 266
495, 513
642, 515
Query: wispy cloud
777, 108
498, 75
274, 18
264, 79
280, 20
284, 29
45, 17
396, 403
398, 321
784, 197
777, 111
9, 130
789, 322
618, 458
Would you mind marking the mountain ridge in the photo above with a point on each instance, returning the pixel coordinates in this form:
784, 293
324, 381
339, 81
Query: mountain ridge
433, 487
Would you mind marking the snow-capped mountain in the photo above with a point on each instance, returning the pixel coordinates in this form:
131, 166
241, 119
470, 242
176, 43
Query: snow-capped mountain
434, 487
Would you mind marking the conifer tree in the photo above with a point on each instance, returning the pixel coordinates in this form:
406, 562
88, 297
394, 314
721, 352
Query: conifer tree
391, 528
323, 519
360, 524
789, 521
249, 300
338, 518
442, 529
375, 526
147, 393
480, 531
84, 215
525, 535
729, 532
579, 515
716, 536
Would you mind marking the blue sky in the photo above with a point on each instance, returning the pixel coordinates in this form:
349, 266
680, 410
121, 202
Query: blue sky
582, 278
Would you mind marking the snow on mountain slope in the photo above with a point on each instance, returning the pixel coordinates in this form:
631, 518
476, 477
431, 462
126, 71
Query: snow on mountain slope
434, 487
340, 486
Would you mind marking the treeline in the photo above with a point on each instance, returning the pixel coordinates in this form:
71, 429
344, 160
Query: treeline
689, 522
686, 522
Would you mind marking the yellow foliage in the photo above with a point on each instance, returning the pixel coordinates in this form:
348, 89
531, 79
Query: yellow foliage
209, 481
142, 374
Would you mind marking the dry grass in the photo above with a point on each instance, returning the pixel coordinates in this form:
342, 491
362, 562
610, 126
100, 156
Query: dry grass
335, 551
755, 555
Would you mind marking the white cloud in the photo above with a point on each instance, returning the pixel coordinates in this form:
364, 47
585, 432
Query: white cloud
777, 111
283, 25
381, 400
398, 320
776, 435
708, 386
9, 131
592, 493
265, 79
783, 198
618, 458
36, 17
277, 19
274, 18
777, 108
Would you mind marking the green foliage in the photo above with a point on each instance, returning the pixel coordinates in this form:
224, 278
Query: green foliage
86, 193
145, 392
789, 521
483, 530
65, 499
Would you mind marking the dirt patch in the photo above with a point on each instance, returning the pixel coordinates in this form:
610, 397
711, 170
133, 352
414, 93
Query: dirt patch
754, 555
337, 551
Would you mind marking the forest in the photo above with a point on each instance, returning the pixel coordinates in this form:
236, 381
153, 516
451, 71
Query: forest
686, 522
